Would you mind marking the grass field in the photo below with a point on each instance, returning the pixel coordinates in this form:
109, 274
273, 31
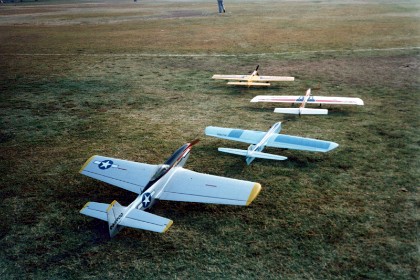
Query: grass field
132, 81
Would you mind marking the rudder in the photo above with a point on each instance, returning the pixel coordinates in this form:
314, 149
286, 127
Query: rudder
115, 212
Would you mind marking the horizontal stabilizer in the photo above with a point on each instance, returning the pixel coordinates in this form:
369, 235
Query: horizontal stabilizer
147, 221
95, 210
301, 111
254, 154
234, 151
266, 156
135, 218
248, 84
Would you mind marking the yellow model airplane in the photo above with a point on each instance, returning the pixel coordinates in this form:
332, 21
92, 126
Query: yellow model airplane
252, 80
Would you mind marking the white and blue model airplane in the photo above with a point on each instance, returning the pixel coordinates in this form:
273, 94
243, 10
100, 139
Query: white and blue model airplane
169, 181
259, 140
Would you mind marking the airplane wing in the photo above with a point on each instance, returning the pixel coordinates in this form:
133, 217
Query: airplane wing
231, 77
311, 99
190, 186
300, 143
278, 98
335, 100
274, 78
129, 175
240, 135
249, 83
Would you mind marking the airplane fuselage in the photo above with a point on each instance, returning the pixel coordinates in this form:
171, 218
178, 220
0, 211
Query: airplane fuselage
156, 185
263, 142
163, 174
305, 99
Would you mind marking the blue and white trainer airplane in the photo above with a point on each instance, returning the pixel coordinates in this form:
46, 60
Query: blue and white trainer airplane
168, 181
259, 140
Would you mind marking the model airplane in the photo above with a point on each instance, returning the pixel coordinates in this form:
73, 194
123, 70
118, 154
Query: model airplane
252, 80
259, 140
308, 98
168, 181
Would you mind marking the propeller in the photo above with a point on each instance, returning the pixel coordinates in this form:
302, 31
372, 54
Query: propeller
194, 142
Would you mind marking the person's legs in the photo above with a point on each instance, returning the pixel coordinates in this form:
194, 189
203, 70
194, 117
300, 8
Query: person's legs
221, 8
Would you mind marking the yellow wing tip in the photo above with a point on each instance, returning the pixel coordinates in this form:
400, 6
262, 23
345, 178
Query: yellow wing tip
254, 193
86, 163
168, 226
111, 205
86, 205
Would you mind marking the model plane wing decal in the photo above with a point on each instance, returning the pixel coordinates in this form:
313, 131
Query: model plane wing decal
190, 186
300, 143
240, 135
129, 175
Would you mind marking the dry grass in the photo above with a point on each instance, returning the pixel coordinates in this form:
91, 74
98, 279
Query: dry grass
347, 214
273, 27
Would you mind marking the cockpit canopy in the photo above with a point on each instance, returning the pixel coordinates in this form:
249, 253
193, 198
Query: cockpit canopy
161, 170
176, 155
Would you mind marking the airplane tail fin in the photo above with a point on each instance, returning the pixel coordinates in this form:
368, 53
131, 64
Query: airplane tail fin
114, 212
250, 156
301, 111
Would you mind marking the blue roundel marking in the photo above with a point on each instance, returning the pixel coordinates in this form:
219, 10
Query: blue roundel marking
105, 164
146, 199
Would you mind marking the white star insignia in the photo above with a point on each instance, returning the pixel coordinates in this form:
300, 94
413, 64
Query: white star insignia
146, 199
105, 164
